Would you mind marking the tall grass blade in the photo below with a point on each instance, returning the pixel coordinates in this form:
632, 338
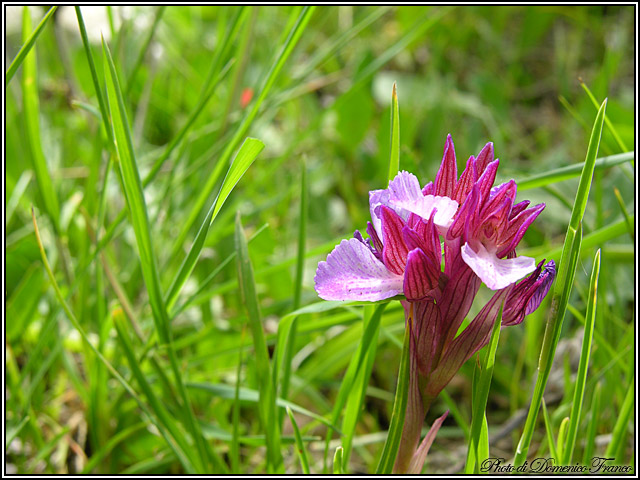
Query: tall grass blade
285, 52
180, 453
607, 122
31, 106
267, 406
392, 444
357, 390
140, 221
615, 449
134, 195
581, 379
143, 49
570, 171
394, 157
592, 429
247, 154
562, 288
358, 363
337, 461
549, 428
478, 418
301, 450
29, 42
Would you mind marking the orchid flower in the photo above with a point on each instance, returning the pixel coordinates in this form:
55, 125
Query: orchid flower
480, 227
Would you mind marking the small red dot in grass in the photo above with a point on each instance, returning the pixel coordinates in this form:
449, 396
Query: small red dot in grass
245, 98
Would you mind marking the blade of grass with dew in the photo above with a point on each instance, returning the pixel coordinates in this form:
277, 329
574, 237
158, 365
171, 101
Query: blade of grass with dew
549, 428
581, 378
615, 449
571, 171
247, 154
29, 42
285, 52
31, 110
392, 443
562, 288
179, 452
394, 157
478, 416
143, 49
267, 405
301, 450
337, 461
135, 200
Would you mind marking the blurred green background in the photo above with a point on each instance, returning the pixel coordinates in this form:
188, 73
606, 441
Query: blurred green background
507, 74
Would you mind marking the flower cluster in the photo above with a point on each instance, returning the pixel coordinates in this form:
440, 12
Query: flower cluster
435, 246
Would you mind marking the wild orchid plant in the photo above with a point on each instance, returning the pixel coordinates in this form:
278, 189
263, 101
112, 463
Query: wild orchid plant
476, 228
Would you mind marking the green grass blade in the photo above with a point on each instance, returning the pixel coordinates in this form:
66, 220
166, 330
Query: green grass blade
581, 379
247, 154
592, 429
549, 428
167, 424
285, 52
31, 110
94, 75
563, 286
72, 318
302, 235
475, 454
607, 122
267, 408
134, 196
392, 444
140, 220
562, 432
625, 213
571, 171
113, 442
394, 157
353, 375
29, 42
337, 461
234, 449
145, 46
615, 449
357, 390
205, 284
301, 450
253, 396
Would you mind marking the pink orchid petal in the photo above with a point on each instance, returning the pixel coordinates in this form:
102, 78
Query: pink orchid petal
421, 275
447, 175
394, 250
352, 272
484, 158
496, 273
